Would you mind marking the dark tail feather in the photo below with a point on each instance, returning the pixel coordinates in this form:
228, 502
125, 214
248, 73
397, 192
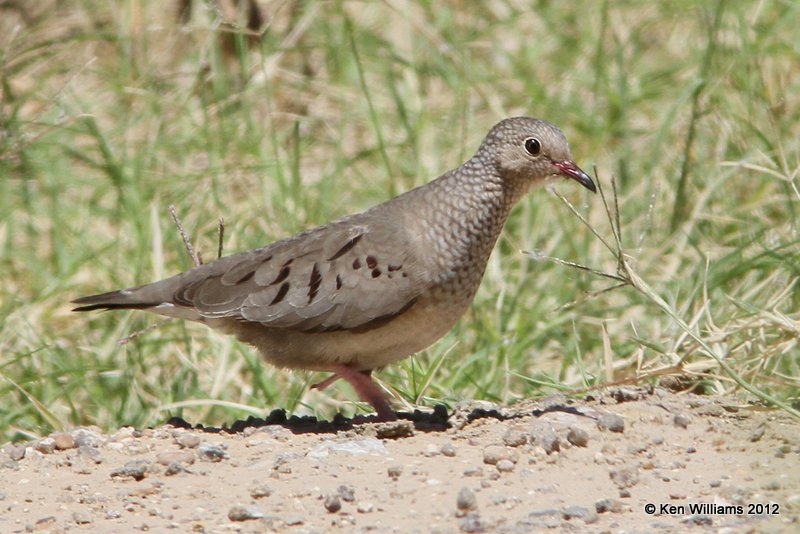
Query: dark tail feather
113, 300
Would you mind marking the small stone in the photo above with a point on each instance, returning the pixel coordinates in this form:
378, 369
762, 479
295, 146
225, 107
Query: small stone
466, 500
624, 493
211, 453
543, 434
609, 505
90, 453
45, 445
365, 508
448, 449
578, 436
332, 503
136, 470
699, 520
45, 523
472, 472
244, 513
471, 523
715, 483
681, 420
81, 517
175, 468
505, 466
394, 429
63, 441
515, 438
347, 493
758, 433
611, 422
188, 440
15, 452
170, 457
394, 471
86, 437
579, 512
261, 491
625, 477
493, 454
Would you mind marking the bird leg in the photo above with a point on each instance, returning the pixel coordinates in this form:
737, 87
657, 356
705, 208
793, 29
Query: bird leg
365, 388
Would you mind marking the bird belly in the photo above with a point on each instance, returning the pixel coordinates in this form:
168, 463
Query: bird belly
410, 332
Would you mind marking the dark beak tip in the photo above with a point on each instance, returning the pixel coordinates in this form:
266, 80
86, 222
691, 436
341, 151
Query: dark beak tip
571, 170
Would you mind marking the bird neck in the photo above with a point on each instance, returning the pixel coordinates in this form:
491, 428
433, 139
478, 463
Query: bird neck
464, 215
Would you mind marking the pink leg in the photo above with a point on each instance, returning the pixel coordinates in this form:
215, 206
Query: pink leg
362, 383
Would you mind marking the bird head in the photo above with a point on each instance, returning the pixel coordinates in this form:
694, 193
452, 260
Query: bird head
529, 151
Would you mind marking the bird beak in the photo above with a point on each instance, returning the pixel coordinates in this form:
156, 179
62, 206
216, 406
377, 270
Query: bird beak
570, 170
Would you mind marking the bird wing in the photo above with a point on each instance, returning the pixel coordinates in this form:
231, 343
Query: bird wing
342, 276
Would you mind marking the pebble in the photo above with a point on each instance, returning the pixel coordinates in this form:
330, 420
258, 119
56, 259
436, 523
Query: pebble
471, 523
466, 500
355, 447
174, 468
613, 506
261, 491
90, 453
578, 436
347, 493
394, 471
63, 441
136, 470
515, 438
394, 429
86, 437
15, 452
170, 457
543, 434
332, 503
448, 449
758, 433
44, 523
244, 513
365, 508
45, 445
211, 453
187, 440
579, 512
681, 420
82, 518
493, 454
611, 422
505, 466
625, 477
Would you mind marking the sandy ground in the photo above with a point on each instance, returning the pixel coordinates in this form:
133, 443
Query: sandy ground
595, 466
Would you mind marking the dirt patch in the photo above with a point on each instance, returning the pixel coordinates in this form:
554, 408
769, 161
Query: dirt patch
589, 465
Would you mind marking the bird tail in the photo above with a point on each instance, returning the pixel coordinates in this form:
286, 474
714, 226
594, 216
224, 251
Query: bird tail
125, 299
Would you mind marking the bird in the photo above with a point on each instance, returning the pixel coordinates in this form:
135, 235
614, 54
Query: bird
373, 288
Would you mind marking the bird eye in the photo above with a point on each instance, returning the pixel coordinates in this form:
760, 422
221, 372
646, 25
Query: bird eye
533, 146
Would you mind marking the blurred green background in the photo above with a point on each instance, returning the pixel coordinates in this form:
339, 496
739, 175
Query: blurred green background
111, 112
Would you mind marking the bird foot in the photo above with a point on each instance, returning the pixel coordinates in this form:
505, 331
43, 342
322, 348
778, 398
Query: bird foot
362, 383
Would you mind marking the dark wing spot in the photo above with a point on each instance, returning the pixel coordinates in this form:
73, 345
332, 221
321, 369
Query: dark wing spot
313, 283
372, 262
281, 293
392, 267
338, 282
376, 273
283, 274
245, 278
356, 264
347, 246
